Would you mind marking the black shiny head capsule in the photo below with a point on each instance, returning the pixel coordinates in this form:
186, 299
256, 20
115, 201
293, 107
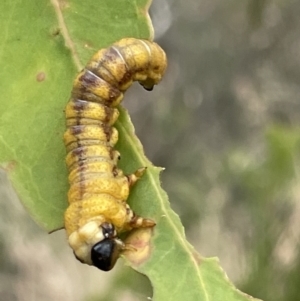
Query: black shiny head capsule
105, 253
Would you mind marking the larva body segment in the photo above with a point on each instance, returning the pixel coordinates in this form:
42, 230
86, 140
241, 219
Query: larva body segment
97, 210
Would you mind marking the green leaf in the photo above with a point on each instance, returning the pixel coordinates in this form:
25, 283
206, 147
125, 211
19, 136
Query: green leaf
42, 47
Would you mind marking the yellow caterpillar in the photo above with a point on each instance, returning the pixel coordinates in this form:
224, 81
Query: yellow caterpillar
97, 210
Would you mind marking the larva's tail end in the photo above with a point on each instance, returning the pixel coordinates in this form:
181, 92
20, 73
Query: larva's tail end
148, 84
153, 78
148, 88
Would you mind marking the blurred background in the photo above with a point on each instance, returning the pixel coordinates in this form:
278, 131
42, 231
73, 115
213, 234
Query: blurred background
225, 124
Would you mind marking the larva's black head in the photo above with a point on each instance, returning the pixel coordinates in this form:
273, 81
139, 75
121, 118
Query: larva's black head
97, 244
105, 253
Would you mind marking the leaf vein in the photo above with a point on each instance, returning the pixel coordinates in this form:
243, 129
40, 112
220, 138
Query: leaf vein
65, 33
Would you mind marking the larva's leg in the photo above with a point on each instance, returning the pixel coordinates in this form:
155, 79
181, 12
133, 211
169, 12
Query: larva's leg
141, 222
135, 221
136, 176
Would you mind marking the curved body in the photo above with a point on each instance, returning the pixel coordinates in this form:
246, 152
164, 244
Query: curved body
97, 210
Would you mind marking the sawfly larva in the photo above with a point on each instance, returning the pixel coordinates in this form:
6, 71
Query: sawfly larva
97, 210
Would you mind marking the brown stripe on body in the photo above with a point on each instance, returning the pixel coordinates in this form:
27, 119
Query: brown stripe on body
101, 168
91, 87
75, 144
103, 134
87, 133
102, 71
115, 64
80, 153
91, 153
78, 107
80, 112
